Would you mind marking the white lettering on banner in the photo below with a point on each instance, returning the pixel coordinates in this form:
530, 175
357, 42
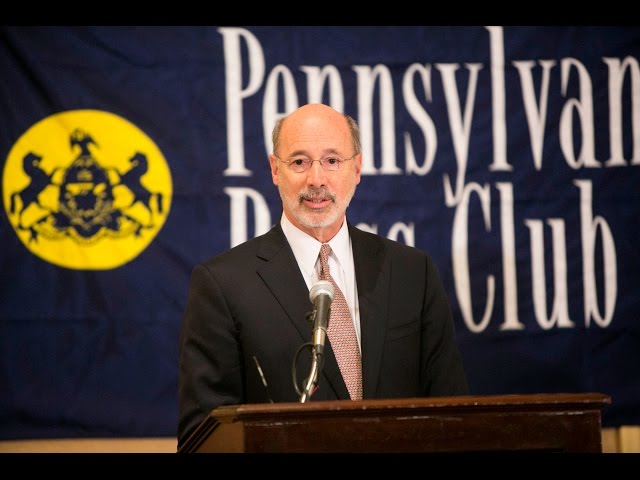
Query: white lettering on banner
460, 256
588, 230
235, 93
498, 102
616, 80
536, 113
270, 113
560, 315
460, 120
246, 77
508, 240
584, 108
460, 128
366, 82
316, 78
421, 117
407, 231
240, 198
560, 310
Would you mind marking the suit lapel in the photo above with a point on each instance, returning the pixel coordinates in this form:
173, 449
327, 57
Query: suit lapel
373, 297
282, 276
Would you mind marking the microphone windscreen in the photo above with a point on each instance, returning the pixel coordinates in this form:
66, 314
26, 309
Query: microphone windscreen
322, 287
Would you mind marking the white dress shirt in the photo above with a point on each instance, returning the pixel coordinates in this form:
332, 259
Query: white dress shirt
306, 249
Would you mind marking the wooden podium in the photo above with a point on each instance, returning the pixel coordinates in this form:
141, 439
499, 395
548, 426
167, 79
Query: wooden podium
500, 423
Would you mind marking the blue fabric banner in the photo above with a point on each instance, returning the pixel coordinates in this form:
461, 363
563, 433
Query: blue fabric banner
129, 154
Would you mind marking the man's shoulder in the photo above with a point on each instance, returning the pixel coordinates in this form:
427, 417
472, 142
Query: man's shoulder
408, 261
375, 242
254, 247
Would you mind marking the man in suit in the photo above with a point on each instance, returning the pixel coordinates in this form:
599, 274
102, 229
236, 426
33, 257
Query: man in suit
248, 308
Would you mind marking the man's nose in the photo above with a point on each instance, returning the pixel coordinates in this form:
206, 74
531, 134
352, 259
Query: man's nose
316, 175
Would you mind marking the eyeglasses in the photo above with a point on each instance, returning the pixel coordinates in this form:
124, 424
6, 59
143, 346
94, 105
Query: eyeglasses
330, 163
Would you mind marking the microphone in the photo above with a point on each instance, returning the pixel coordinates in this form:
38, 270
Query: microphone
321, 295
263, 379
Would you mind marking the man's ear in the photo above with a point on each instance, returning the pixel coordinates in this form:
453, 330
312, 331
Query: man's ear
358, 162
273, 164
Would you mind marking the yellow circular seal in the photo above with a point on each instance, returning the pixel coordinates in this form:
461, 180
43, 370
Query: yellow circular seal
86, 189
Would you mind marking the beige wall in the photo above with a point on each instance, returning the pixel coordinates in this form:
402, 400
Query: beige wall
614, 440
91, 445
621, 440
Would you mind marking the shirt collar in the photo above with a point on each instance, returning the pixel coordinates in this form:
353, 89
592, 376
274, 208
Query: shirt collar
339, 244
306, 249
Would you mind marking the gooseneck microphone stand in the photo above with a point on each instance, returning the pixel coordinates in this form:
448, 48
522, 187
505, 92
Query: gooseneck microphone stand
311, 382
321, 296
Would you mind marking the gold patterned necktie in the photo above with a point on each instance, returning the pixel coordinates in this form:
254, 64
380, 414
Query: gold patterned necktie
342, 333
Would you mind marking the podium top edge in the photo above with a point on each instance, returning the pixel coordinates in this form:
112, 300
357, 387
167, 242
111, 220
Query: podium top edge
537, 401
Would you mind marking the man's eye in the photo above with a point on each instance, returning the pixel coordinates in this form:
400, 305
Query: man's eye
298, 162
331, 160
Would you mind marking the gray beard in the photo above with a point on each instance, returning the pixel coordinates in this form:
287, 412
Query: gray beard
312, 220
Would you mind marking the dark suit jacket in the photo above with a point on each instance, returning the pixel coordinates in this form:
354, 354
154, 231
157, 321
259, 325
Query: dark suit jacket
253, 301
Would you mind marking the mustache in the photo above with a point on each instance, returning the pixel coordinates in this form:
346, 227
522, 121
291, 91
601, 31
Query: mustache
316, 194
